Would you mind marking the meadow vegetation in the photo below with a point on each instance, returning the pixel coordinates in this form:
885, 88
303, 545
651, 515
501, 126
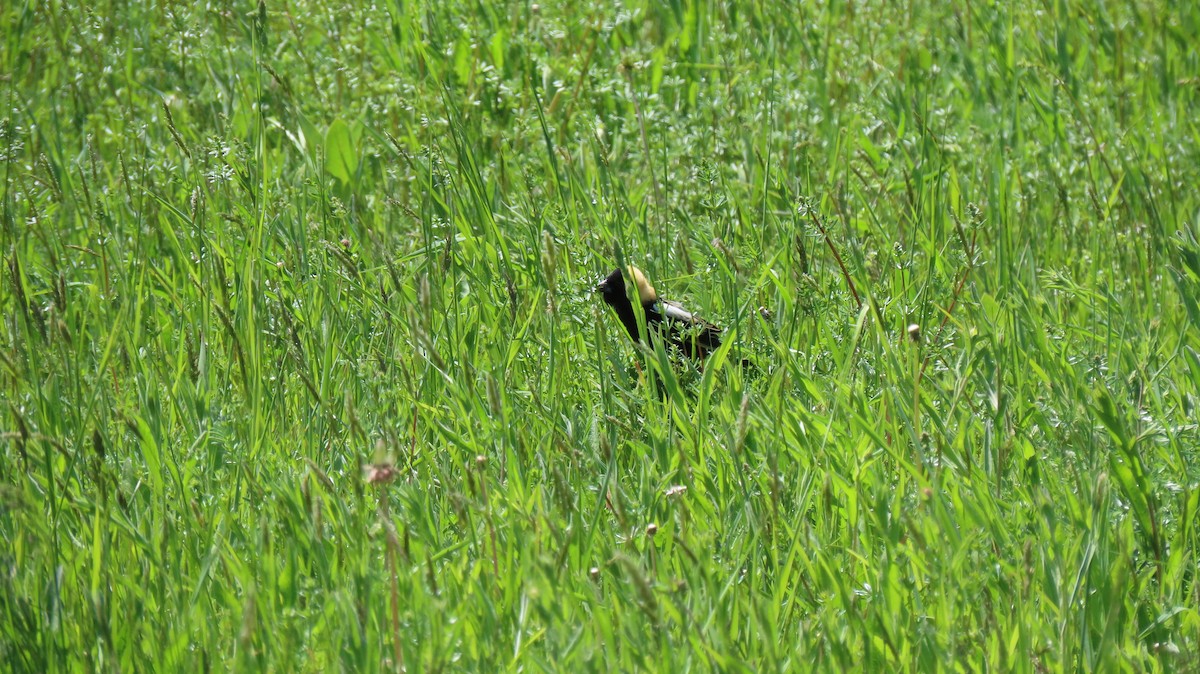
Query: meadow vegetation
302, 370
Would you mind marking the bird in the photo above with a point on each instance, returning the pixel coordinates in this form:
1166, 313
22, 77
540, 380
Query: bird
694, 336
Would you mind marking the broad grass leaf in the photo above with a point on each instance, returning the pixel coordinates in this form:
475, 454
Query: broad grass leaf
341, 157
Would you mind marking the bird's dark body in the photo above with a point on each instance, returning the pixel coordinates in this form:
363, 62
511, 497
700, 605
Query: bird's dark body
693, 336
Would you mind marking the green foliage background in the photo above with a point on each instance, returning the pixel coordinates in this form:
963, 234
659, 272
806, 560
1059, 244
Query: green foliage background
260, 259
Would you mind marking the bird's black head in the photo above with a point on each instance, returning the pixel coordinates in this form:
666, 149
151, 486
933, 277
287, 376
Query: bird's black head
612, 289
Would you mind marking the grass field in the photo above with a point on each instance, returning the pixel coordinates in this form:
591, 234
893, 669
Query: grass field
301, 368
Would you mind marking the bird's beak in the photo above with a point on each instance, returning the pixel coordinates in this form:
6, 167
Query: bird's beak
602, 286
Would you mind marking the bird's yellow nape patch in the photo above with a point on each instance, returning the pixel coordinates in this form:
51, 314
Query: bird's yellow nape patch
646, 292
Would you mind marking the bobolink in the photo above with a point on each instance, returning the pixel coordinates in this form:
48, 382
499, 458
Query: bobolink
693, 336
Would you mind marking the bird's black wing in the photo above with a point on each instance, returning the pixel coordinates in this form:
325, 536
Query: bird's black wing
694, 335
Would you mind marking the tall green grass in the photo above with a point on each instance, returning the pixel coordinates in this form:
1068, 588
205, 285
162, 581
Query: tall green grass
301, 369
